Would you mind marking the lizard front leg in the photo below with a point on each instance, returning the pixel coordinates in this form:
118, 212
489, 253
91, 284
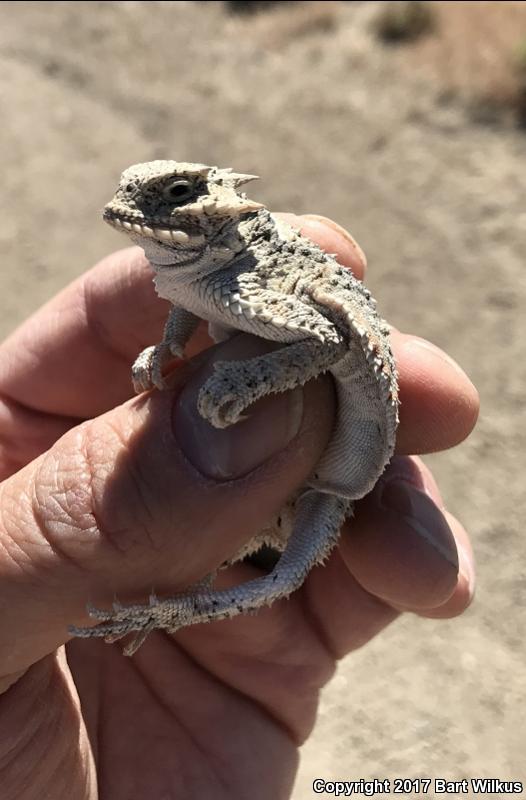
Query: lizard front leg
235, 385
147, 370
316, 530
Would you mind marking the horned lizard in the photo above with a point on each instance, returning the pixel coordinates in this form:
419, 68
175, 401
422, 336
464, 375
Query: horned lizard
222, 257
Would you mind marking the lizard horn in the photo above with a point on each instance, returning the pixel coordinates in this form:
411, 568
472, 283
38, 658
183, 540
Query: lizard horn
235, 178
243, 205
240, 178
197, 169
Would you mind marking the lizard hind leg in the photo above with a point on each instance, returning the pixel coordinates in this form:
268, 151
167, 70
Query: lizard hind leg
315, 532
316, 529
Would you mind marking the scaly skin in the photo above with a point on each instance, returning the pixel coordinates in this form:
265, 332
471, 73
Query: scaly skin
222, 257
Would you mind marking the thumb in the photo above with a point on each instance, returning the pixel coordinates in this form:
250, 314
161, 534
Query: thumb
148, 495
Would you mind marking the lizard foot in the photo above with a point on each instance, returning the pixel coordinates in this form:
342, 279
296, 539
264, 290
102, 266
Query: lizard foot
122, 620
169, 614
220, 404
226, 394
148, 367
199, 604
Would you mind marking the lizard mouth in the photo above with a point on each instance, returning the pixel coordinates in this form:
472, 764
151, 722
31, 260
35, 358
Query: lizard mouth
158, 231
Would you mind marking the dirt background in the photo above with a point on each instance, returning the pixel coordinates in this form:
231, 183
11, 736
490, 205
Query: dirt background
337, 124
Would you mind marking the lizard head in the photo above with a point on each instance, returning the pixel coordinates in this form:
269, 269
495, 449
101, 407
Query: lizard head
174, 210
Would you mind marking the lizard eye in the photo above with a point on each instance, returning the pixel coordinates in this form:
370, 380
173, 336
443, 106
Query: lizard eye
177, 191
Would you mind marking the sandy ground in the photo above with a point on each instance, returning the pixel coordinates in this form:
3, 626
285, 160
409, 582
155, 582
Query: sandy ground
335, 126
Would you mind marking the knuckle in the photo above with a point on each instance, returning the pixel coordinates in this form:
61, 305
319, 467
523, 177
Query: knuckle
89, 497
54, 516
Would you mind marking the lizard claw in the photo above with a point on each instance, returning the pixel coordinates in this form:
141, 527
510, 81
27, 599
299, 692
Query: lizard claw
176, 350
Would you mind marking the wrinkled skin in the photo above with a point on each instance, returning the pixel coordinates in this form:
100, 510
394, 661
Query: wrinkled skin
132, 498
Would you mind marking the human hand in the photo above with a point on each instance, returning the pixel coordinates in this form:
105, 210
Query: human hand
133, 496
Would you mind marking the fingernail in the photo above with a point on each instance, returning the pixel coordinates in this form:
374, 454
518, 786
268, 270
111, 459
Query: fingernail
466, 562
228, 453
422, 515
341, 232
466, 570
